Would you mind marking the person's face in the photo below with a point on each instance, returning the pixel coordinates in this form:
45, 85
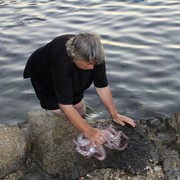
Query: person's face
84, 65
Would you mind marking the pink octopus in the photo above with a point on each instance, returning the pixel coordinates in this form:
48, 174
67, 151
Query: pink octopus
113, 141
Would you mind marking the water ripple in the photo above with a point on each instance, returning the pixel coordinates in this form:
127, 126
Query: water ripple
141, 40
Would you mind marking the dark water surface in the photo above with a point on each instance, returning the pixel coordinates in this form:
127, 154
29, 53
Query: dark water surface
141, 40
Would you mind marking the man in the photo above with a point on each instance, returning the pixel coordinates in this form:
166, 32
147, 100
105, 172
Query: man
62, 70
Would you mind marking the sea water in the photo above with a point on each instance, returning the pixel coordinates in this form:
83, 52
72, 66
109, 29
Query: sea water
142, 49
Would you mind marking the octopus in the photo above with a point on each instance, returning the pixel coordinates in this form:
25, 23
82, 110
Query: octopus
114, 140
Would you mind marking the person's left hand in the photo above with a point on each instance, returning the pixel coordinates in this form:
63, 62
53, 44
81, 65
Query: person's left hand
123, 119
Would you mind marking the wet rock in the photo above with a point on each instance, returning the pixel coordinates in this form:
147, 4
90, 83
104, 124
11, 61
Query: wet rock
164, 133
171, 165
52, 149
155, 173
153, 148
12, 149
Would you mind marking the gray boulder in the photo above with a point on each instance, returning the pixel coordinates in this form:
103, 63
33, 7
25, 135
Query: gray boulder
52, 150
12, 149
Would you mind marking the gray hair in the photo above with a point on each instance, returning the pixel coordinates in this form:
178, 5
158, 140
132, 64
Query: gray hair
86, 47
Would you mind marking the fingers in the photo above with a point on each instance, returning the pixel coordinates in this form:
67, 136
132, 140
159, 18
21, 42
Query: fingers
94, 144
99, 138
119, 122
129, 121
123, 119
97, 142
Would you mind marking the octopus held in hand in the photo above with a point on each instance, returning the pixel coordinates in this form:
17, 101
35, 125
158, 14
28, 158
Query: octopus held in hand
114, 140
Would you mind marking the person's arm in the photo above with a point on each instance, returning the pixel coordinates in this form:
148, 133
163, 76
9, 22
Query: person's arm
106, 98
95, 135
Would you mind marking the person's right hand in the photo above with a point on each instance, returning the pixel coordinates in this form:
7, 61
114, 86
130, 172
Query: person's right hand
96, 136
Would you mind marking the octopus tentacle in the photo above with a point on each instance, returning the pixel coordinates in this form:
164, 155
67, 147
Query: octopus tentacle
86, 153
101, 153
124, 136
81, 140
112, 139
120, 148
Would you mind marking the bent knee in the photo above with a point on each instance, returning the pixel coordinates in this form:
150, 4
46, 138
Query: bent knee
81, 107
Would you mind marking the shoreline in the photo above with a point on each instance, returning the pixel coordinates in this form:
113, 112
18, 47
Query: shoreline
163, 133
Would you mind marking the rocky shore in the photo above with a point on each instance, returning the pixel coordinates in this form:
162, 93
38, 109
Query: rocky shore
42, 148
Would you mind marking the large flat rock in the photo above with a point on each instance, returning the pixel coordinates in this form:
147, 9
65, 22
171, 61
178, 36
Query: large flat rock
52, 148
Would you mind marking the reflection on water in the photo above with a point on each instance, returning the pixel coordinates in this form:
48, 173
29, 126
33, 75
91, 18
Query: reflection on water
141, 40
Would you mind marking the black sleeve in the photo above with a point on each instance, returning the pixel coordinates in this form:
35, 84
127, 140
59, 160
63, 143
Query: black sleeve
99, 76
